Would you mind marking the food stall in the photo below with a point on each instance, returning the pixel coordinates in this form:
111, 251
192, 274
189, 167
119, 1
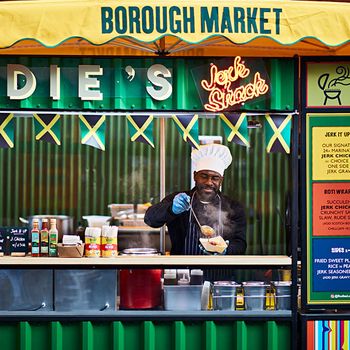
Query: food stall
84, 82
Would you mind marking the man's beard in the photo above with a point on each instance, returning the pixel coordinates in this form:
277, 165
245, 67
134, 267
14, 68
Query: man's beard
206, 196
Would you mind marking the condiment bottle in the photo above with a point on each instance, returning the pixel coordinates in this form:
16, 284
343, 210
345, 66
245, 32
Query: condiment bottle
170, 278
196, 277
53, 238
183, 274
44, 238
35, 238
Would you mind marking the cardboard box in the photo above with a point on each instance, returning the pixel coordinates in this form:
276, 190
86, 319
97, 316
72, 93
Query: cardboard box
68, 251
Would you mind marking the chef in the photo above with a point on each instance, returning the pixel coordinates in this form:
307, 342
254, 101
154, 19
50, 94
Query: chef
185, 213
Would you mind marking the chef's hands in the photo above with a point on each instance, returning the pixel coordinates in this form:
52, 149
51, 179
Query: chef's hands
205, 252
181, 203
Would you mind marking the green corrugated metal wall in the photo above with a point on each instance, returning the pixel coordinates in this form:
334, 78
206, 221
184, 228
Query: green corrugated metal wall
75, 179
146, 335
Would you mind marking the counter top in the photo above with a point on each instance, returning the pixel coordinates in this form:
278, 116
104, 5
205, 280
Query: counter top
159, 260
137, 228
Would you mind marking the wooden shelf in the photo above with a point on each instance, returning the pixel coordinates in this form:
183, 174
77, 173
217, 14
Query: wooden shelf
175, 260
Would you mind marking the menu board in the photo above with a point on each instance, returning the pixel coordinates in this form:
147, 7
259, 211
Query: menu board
328, 209
13, 240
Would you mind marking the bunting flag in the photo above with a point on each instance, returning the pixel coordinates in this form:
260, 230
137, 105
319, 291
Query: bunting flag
92, 130
236, 128
7, 127
141, 128
188, 127
277, 133
48, 128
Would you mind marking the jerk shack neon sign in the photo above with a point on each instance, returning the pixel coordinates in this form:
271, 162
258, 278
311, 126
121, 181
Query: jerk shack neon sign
223, 89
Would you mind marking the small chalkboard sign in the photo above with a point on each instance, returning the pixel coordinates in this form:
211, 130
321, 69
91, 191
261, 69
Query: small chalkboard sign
14, 240
18, 240
3, 232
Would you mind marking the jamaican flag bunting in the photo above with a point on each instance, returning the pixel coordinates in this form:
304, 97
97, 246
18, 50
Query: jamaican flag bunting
47, 128
92, 130
188, 127
277, 133
236, 128
141, 128
6, 130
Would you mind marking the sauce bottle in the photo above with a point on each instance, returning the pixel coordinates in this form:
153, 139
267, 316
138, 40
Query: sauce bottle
196, 277
35, 238
44, 238
53, 238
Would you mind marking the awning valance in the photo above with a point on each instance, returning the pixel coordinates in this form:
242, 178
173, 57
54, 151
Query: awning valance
323, 25
182, 27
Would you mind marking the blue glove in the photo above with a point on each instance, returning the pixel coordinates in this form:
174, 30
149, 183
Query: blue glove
181, 203
205, 252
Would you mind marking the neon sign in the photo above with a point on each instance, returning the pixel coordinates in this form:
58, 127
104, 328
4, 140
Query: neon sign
222, 96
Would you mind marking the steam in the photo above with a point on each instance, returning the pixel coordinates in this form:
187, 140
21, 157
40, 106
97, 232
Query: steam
211, 216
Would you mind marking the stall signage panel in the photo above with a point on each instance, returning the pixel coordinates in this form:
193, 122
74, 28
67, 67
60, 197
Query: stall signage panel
331, 262
331, 209
144, 84
328, 209
328, 85
331, 153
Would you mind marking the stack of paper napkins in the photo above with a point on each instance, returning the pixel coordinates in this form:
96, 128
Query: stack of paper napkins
71, 240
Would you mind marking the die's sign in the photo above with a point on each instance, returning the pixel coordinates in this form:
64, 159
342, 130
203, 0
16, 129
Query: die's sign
22, 82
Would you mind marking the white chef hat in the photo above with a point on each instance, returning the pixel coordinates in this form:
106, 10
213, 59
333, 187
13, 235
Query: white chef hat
212, 157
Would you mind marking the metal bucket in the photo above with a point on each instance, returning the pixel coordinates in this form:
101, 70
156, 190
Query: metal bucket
283, 294
224, 295
254, 295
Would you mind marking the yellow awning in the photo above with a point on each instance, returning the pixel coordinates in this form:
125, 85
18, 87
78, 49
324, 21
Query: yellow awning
181, 27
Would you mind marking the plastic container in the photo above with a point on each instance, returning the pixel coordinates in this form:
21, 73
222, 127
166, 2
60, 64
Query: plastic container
182, 298
254, 295
224, 295
283, 293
